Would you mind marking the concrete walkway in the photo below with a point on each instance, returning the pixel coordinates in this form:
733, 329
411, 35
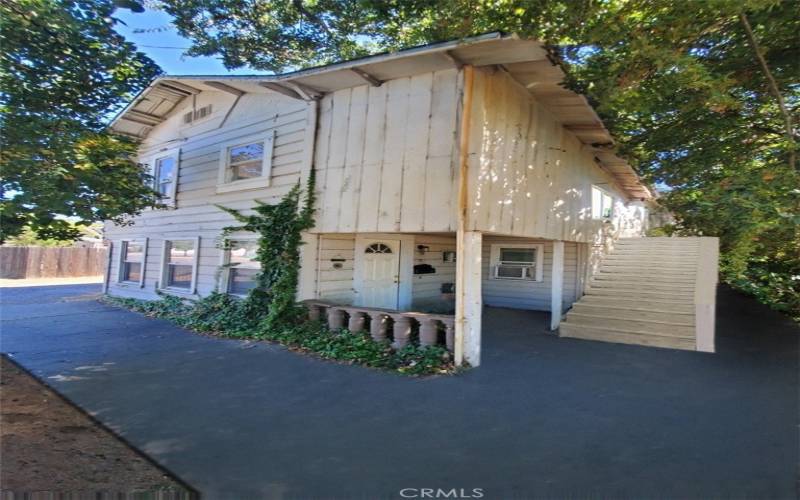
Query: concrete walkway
543, 416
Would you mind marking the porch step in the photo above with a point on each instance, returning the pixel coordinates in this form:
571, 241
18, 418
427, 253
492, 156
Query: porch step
625, 337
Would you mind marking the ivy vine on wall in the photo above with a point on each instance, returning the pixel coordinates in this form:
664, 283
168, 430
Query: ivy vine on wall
279, 228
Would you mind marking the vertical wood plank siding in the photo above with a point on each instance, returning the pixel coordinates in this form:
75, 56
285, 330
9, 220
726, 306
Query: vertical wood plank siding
384, 157
528, 176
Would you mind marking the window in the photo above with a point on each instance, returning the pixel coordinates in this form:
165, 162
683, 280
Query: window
242, 266
378, 248
246, 163
164, 169
517, 262
602, 204
179, 270
132, 259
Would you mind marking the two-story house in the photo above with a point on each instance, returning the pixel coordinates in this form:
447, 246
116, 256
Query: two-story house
449, 177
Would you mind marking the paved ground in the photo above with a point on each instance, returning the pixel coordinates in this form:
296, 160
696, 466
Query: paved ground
543, 416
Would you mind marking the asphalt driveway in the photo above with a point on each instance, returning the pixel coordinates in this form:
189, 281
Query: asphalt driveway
542, 417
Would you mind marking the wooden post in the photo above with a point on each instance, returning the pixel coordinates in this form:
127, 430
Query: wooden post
467, 325
557, 285
469, 299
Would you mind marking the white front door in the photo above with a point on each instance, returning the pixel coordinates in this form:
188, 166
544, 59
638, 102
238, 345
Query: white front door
380, 274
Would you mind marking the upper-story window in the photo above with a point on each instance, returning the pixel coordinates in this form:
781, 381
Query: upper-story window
246, 163
602, 204
164, 169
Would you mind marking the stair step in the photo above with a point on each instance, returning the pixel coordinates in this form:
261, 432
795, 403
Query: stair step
605, 275
664, 305
625, 337
638, 285
679, 265
628, 312
642, 294
672, 329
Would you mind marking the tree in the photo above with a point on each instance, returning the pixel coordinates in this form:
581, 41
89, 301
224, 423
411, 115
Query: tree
702, 96
63, 72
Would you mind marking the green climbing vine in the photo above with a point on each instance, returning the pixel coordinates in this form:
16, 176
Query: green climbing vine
279, 228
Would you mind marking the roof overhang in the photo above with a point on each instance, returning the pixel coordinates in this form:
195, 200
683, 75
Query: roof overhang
526, 61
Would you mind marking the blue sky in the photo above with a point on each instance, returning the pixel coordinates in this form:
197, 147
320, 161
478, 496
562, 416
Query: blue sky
166, 47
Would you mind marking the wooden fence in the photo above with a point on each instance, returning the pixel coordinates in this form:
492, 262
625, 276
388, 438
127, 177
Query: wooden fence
51, 262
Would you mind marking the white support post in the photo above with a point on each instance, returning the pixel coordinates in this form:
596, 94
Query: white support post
557, 285
309, 261
705, 293
469, 301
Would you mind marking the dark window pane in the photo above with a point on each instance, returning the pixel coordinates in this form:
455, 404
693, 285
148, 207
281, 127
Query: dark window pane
241, 281
133, 252
131, 271
180, 276
510, 272
526, 255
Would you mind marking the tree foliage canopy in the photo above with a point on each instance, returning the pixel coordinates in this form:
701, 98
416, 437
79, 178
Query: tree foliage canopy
63, 72
702, 96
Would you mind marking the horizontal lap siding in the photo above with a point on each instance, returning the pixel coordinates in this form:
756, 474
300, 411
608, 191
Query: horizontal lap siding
336, 285
528, 176
426, 289
196, 213
519, 294
385, 156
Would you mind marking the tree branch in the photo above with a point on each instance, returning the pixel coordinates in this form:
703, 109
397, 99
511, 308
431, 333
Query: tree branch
773, 87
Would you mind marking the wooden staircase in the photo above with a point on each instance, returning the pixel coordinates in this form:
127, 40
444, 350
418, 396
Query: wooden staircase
646, 293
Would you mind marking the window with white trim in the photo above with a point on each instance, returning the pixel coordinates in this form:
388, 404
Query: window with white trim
180, 264
241, 266
602, 203
517, 262
246, 163
131, 262
164, 167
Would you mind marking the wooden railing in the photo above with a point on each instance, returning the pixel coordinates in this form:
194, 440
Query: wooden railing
384, 323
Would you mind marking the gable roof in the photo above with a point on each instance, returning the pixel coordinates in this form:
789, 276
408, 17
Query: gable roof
527, 61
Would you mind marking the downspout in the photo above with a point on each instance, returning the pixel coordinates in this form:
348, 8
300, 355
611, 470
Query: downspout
463, 186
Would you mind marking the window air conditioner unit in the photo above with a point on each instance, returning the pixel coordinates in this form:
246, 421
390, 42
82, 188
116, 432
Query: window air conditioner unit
514, 272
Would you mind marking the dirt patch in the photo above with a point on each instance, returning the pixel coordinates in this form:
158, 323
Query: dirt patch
48, 444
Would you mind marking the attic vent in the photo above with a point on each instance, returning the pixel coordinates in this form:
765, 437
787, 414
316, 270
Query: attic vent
197, 114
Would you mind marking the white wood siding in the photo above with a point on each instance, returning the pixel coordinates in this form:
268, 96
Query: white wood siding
426, 289
521, 294
336, 285
385, 156
200, 145
528, 175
